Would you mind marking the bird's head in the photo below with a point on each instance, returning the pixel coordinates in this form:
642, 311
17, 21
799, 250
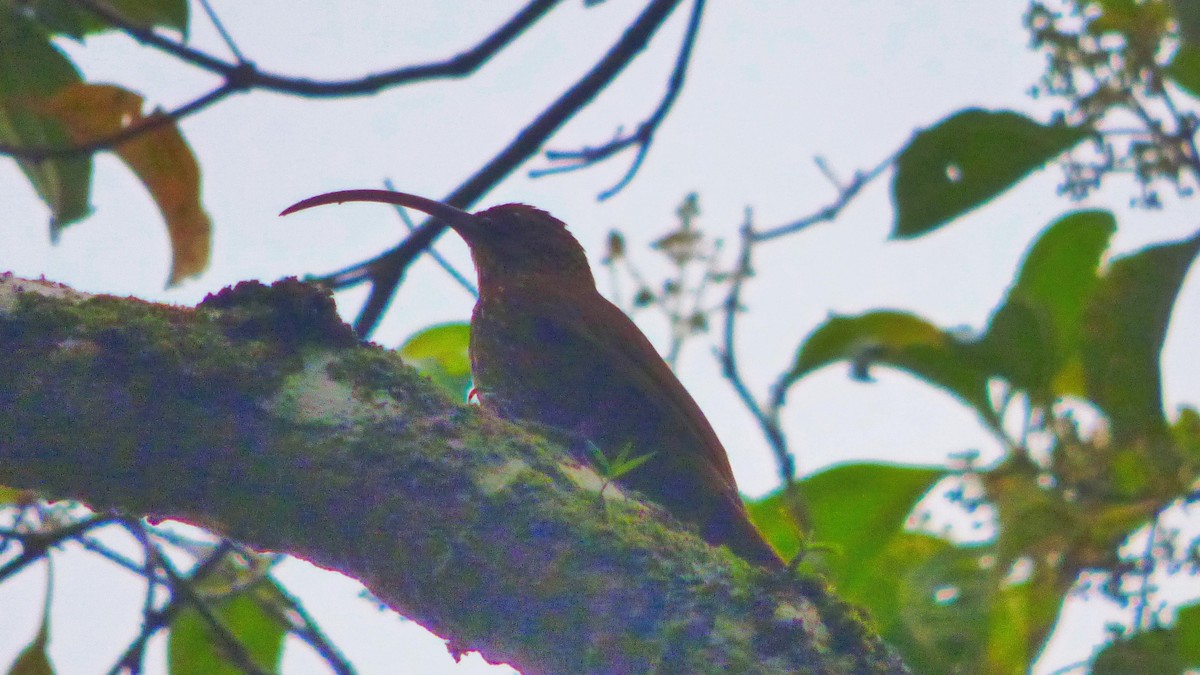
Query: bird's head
511, 244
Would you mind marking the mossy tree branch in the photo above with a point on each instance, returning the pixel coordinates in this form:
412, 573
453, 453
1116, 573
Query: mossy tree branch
259, 415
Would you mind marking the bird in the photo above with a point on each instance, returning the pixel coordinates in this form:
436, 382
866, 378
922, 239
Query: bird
547, 347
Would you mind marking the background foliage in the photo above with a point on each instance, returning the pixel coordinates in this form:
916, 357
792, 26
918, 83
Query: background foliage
964, 567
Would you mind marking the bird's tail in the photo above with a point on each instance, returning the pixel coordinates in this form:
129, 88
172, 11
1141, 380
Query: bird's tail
731, 527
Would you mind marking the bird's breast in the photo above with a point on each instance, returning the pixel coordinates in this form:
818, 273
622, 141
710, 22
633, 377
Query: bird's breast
525, 362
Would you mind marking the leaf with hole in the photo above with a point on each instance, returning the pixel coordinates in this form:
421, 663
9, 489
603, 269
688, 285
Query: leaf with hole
967, 159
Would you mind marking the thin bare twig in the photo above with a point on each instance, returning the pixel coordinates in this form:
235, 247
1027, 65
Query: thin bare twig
727, 355
1078, 666
34, 545
120, 559
846, 194
387, 270
1143, 596
225, 36
149, 571
308, 630
136, 652
292, 613
767, 417
573, 160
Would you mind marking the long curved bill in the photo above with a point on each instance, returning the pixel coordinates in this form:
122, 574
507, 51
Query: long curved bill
460, 220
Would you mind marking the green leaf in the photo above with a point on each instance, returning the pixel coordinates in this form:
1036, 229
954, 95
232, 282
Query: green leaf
1019, 345
154, 13
1140, 21
65, 18
1159, 650
856, 508
1184, 69
774, 519
10, 495
1032, 519
1187, 627
966, 160
1060, 269
881, 584
1020, 618
944, 604
1153, 651
55, 16
1187, 14
1123, 330
859, 511
193, 649
903, 341
958, 616
1186, 432
624, 461
32, 67
441, 353
1034, 335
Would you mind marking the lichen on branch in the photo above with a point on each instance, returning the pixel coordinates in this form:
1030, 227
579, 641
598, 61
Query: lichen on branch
259, 415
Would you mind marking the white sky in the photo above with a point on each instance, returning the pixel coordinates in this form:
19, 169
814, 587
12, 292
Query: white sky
772, 85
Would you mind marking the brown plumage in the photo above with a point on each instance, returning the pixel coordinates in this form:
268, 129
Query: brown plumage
547, 347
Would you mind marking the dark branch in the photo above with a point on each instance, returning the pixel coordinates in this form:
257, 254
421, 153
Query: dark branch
244, 75
35, 545
412, 456
308, 631
250, 76
144, 569
573, 160
386, 271
131, 659
184, 588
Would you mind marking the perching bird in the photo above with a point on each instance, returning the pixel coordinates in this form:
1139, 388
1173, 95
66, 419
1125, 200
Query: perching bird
546, 347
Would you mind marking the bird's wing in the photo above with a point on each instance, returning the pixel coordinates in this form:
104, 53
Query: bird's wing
649, 373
